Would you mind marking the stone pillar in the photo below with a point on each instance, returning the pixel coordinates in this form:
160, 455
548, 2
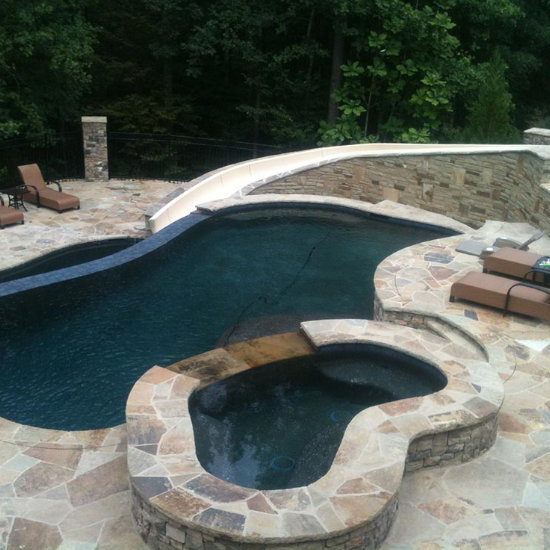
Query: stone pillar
94, 138
536, 136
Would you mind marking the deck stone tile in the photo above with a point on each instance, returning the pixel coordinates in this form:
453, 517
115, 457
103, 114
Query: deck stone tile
67, 458
448, 511
214, 489
31, 534
150, 487
178, 502
501, 482
113, 506
262, 524
85, 488
221, 519
259, 503
40, 478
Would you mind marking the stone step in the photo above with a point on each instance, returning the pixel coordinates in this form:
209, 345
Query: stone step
462, 341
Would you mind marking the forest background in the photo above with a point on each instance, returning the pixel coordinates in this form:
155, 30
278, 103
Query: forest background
296, 73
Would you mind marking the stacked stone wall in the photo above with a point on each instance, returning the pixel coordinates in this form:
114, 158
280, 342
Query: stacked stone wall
470, 188
163, 533
454, 447
536, 136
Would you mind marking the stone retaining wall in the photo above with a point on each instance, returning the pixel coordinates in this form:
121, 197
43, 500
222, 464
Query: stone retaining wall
455, 447
536, 136
163, 533
471, 188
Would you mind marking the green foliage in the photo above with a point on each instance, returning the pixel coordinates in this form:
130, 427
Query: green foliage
270, 71
489, 119
350, 98
45, 53
415, 135
412, 71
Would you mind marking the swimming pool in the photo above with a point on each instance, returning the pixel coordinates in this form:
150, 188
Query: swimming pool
71, 351
279, 425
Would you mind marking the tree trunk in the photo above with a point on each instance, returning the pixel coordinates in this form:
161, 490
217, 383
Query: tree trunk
336, 72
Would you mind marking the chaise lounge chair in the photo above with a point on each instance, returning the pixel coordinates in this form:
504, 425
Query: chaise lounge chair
41, 195
9, 216
501, 293
476, 248
516, 263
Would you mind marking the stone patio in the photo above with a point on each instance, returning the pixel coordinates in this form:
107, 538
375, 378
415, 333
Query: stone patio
69, 490
108, 209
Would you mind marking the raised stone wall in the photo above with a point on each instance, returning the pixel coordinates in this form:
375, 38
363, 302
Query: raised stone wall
94, 136
536, 136
471, 188
163, 533
455, 447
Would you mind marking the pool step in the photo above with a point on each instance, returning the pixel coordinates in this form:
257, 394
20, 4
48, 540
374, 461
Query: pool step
467, 346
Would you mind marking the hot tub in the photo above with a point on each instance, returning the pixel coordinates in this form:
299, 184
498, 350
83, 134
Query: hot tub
352, 504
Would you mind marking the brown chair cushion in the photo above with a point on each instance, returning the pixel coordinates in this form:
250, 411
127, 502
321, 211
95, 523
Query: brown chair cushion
50, 198
46, 196
491, 290
9, 216
511, 262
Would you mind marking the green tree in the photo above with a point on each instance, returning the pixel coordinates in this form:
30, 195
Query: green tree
45, 54
413, 69
138, 65
259, 59
490, 116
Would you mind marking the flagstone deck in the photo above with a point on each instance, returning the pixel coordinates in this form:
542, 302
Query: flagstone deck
70, 490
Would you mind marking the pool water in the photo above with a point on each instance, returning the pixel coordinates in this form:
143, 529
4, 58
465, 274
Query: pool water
68, 256
280, 425
70, 352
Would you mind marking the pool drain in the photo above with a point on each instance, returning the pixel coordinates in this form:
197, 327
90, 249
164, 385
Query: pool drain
282, 463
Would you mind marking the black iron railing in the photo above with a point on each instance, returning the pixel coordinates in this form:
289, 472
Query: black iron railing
176, 158
59, 156
147, 156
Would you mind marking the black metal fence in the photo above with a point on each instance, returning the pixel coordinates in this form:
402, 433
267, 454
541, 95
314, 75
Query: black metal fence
147, 156
59, 156
176, 158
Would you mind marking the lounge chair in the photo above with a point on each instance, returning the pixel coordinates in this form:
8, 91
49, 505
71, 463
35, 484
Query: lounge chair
515, 263
41, 195
477, 248
9, 216
502, 293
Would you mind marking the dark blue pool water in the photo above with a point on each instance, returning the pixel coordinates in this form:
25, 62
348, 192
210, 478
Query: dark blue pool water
70, 352
65, 257
280, 425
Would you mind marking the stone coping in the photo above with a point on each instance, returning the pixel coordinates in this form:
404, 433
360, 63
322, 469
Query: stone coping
352, 506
